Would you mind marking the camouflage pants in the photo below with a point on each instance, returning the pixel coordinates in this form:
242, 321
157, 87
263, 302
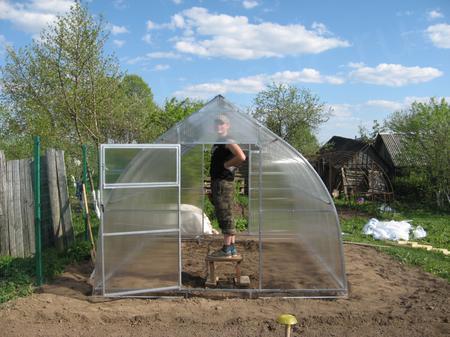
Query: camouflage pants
222, 195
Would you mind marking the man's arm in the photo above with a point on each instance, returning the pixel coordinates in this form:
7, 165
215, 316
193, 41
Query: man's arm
238, 156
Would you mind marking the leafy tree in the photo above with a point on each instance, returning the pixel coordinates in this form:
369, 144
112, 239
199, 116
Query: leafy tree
426, 146
136, 116
369, 136
61, 86
293, 114
176, 110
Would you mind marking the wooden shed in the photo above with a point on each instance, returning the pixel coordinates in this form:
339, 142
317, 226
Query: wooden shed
353, 168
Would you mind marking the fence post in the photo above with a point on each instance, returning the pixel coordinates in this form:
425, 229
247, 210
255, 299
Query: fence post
85, 215
37, 209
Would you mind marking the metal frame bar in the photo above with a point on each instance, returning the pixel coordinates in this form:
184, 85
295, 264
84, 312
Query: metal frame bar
186, 291
137, 291
249, 171
156, 231
179, 213
260, 213
203, 189
102, 169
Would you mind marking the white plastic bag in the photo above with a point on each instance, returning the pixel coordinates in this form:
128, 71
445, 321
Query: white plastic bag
419, 232
387, 230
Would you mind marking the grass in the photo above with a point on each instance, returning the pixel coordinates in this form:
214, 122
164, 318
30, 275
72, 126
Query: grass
18, 275
435, 223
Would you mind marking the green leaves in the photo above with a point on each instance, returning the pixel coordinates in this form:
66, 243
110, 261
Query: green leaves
426, 147
61, 86
293, 114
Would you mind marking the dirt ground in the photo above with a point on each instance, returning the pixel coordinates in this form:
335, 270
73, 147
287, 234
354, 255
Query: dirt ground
386, 299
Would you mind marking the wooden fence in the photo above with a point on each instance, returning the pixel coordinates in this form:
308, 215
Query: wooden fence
17, 236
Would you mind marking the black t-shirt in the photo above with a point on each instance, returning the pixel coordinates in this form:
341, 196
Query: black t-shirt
219, 155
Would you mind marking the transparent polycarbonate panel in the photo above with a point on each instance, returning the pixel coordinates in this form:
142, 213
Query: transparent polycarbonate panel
308, 259
140, 209
191, 190
140, 262
191, 177
287, 198
140, 165
200, 127
288, 264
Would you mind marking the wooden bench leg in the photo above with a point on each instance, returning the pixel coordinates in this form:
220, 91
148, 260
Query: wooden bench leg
211, 279
238, 270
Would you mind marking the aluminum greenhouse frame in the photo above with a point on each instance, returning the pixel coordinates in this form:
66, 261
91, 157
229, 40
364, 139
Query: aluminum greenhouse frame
150, 191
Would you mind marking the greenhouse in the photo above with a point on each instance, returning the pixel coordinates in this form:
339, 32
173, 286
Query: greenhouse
155, 232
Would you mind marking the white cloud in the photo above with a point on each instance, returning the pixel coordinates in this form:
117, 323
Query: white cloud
385, 104
440, 35
4, 43
177, 2
119, 4
320, 28
154, 55
405, 13
163, 55
340, 110
161, 67
147, 38
249, 4
346, 118
119, 43
178, 21
150, 25
33, 16
116, 30
393, 75
434, 14
220, 35
256, 83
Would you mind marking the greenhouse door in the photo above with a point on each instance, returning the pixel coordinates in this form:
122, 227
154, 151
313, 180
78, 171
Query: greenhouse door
140, 227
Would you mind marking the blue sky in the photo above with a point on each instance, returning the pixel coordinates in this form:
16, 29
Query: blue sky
364, 59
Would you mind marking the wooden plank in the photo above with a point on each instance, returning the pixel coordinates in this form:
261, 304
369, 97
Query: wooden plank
4, 231
18, 232
23, 208
66, 213
46, 213
30, 203
10, 207
54, 199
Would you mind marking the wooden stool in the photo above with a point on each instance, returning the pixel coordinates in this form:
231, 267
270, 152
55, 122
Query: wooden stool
211, 279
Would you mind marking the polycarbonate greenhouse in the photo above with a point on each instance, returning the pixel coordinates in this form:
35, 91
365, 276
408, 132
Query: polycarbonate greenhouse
151, 194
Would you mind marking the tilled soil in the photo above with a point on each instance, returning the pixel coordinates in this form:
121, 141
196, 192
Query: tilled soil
386, 299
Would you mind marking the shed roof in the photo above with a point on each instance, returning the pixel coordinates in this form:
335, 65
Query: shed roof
393, 144
337, 143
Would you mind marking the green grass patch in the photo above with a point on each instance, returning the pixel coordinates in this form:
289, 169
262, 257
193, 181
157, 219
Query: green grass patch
435, 223
18, 275
432, 262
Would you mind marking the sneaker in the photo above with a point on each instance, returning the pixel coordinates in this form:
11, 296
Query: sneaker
233, 250
222, 252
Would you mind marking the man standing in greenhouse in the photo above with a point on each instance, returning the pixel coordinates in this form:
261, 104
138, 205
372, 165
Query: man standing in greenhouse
226, 156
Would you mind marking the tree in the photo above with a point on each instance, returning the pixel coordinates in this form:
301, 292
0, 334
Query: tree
136, 116
176, 110
426, 145
293, 114
62, 87
369, 136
